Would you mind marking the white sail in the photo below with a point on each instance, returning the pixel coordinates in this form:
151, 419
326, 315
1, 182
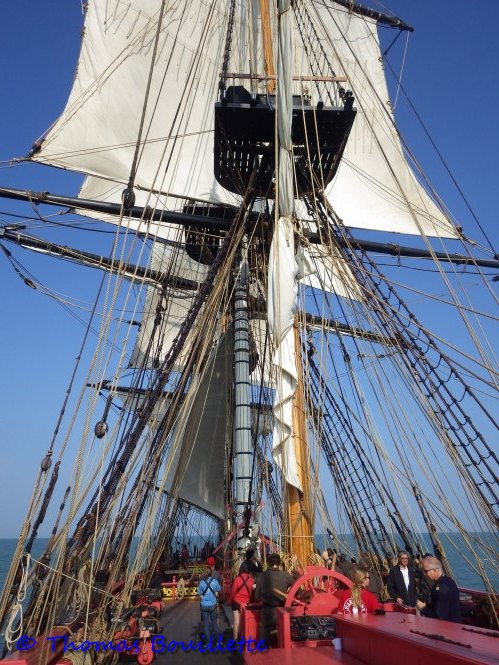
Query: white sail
163, 315
283, 265
321, 267
374, 187
197, 443
165, 308
97, 131
199, 462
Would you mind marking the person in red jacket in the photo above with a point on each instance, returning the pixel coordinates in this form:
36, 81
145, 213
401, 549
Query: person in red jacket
358, 600
240, 594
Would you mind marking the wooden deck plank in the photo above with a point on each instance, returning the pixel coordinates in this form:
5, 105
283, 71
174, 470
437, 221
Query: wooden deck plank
181, 621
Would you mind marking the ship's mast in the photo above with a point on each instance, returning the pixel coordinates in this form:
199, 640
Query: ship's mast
243, 453
268, 55
298, 513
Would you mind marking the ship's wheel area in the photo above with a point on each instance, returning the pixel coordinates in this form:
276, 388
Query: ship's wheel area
308, 612
316, 590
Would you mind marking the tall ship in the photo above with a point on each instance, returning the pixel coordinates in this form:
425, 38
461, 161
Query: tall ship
258, 366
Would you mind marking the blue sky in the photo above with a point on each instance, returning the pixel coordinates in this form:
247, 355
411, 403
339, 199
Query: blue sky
450, 73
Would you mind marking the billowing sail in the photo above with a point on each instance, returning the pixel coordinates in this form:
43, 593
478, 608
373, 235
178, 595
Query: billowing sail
146, 98
374, 187
100, 125
97, 132
169, 108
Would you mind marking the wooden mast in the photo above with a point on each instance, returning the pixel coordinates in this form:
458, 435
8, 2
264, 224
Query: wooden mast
299, 512
268, 54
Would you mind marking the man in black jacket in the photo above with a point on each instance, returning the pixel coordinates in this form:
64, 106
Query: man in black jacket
250, 564
401, 582
271, 588
444, 599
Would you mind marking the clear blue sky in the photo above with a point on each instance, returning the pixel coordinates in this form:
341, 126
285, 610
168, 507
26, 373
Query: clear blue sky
450, 73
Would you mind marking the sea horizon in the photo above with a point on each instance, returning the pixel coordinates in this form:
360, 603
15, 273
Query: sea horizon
462, 571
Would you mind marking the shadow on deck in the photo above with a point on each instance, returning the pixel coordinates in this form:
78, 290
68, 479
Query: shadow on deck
181, 621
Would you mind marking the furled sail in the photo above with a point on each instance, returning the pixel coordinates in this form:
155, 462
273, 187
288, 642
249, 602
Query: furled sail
283, 265
322, 268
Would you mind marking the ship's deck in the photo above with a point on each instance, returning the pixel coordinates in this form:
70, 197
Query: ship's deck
391, 639
404, 638
181, 621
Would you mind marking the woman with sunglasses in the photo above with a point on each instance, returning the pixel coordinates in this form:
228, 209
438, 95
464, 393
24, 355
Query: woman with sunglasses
358, 600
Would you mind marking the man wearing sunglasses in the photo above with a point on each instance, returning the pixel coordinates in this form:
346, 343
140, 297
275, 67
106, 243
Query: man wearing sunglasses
444, 598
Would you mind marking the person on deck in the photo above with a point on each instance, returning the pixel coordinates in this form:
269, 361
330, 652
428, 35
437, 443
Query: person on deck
330, 558
184, 555
344, 566
358, 600
240, 594
212, 563
444, 598
271, 588
401, 582
208, 590
375, 585
250, 564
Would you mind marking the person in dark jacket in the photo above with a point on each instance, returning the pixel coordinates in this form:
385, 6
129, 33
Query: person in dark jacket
271, 588
444, 598
250, 564
344, 567
401, 582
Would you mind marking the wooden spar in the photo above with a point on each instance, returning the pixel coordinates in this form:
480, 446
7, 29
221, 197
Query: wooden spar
268, 54
271, 77
299, 513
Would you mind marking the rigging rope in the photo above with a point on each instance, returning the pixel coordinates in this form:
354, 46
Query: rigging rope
228, 46
15, 626
447, 406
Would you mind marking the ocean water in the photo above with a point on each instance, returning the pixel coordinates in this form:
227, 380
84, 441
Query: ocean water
464, 575
463, 566
462, 572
